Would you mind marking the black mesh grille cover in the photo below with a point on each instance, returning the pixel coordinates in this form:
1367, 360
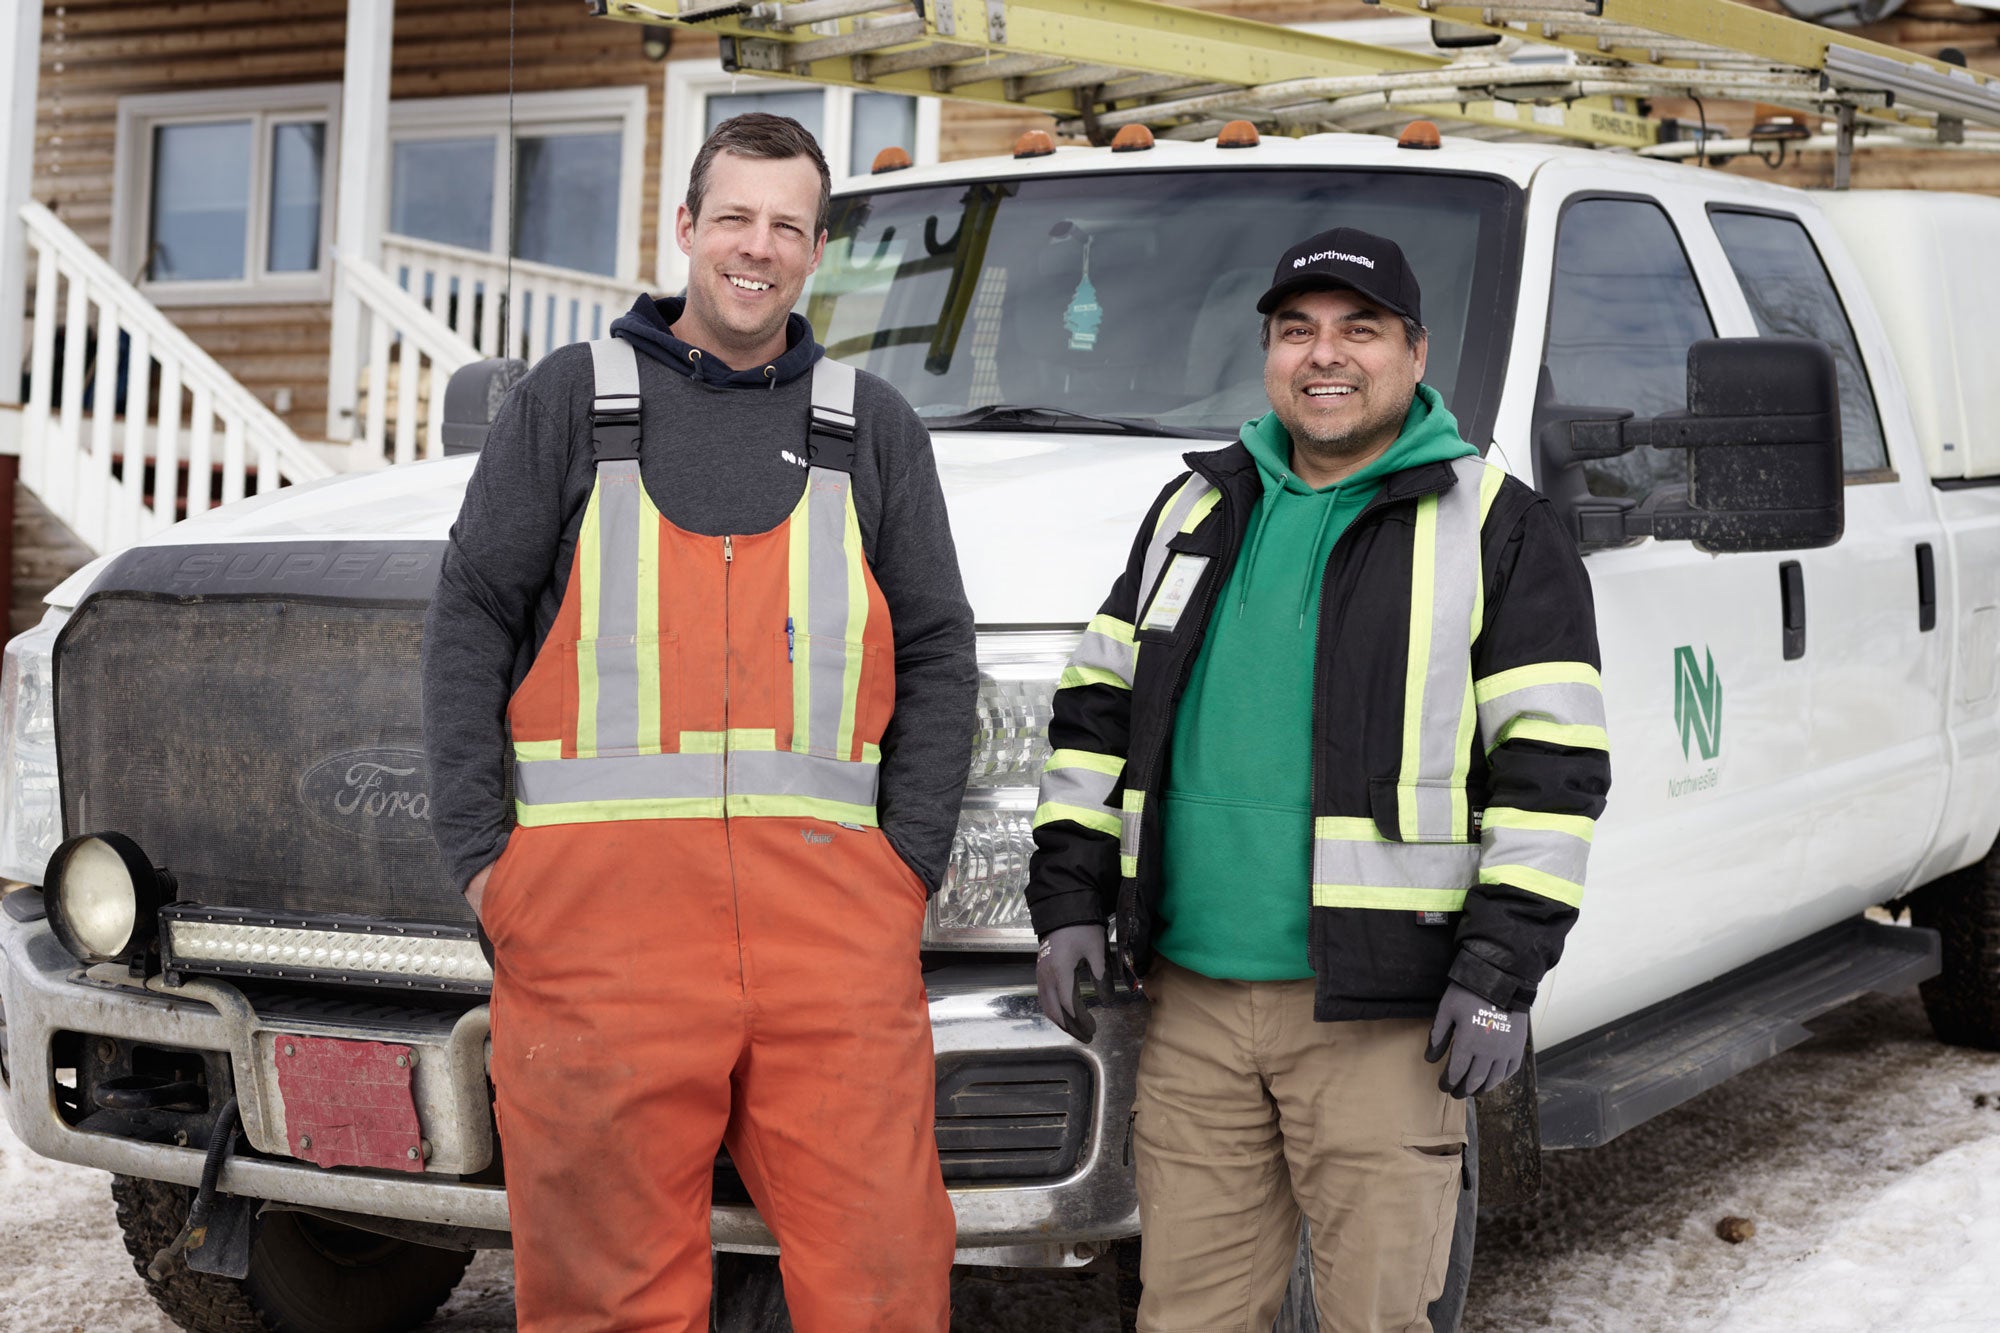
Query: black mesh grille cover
267, 751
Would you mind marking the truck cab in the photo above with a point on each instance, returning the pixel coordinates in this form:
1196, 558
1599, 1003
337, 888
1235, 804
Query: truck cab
1800, 732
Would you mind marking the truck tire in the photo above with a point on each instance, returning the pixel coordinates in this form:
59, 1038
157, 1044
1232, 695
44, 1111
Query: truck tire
306, 1275
1963, 999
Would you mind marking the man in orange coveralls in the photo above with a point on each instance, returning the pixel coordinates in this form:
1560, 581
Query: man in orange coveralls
703, 585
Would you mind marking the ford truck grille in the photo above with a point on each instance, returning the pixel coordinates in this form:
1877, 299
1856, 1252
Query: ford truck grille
268, 751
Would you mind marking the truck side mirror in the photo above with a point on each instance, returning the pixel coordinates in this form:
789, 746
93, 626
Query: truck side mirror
472, 399
1762, 431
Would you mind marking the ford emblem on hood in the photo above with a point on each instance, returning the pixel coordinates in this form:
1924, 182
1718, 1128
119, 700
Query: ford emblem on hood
381, 793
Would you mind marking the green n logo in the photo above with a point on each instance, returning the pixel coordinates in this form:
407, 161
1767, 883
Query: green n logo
1697, 703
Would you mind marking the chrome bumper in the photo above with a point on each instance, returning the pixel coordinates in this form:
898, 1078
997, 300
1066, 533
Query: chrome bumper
981, 1007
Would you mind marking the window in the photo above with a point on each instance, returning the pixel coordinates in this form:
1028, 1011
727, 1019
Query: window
852, 127
1623, 309
227, 196
578, 159
1791, 296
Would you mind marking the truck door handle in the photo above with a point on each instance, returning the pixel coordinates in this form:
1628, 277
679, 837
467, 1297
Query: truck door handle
1926, 589
1792, 596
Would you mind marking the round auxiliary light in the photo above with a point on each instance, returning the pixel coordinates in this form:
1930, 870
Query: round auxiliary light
1237, 134
1034, 143
1132, 139
892, 158
1420, 134
104, 897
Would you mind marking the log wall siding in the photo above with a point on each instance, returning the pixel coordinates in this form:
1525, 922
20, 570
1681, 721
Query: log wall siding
95, 51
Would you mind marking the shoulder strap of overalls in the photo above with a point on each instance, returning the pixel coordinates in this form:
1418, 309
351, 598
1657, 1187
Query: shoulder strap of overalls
614, 407
830, 433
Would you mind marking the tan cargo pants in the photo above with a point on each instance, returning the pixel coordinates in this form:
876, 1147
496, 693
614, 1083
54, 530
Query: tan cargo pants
1247, 1113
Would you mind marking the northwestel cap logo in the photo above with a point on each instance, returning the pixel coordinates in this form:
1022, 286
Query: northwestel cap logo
1346, 257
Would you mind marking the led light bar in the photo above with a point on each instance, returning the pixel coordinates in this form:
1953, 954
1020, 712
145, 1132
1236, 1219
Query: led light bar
235, 942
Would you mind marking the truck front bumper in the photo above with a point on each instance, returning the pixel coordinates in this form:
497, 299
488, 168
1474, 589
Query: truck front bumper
980, 1011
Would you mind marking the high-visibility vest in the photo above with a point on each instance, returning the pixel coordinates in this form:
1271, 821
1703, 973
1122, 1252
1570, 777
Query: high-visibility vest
697, 677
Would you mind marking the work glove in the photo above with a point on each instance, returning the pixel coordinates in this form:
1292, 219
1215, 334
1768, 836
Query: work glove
1056, 979
1486, 1043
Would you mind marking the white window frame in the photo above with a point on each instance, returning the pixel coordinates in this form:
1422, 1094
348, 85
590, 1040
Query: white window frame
571, 111
132, 195
690, 83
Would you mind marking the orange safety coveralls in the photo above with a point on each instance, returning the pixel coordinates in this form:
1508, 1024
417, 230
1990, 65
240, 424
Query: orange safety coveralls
701, 935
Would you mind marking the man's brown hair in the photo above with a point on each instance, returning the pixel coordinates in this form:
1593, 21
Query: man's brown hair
761, 134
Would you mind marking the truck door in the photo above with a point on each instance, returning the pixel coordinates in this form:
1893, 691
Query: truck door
1707, 715
1875, 764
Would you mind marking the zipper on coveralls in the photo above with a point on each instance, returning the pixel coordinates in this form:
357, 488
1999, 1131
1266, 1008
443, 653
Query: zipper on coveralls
728, 841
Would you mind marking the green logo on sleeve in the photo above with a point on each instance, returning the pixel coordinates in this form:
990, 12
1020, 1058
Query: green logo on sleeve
1697, 703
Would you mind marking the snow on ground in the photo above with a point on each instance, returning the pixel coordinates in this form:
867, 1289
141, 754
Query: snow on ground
1868, 1160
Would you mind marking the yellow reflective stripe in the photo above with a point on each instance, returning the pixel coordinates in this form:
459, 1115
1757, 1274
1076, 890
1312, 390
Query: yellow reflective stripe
1096, 763
647, 650
1089, 675
1468, 713
1489, 490
527, 752
1555, 733
1100, 821
798, 580
1200, 511
1423, 591
605, 812
1133, 802
1111, 627
1128, 866
1402, 900
736, 738
587, 563
1503, 816
871, 753
857, 627
1347, 828
1538, 673
800, 807
1194, 482
1534, 881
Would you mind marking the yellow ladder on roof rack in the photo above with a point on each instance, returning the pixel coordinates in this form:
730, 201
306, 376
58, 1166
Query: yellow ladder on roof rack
1100, 64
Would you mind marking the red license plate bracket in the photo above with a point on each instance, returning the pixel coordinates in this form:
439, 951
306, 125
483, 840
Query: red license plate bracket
349, 1103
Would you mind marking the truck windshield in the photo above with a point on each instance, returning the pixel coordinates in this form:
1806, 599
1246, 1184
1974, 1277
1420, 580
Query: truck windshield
1125, 302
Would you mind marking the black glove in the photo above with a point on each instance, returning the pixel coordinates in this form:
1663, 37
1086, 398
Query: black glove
1486, 1043
1056, 977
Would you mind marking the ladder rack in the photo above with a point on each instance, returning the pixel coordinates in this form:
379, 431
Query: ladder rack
1096, 65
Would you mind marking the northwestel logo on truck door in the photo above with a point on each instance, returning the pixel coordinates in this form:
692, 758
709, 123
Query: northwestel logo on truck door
1697, 703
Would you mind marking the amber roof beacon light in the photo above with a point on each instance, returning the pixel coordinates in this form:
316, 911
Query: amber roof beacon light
1237, 134
891, 158
1034, 143
1419, 134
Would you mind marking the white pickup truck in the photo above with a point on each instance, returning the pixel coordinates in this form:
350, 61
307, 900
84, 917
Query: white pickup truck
1799, 735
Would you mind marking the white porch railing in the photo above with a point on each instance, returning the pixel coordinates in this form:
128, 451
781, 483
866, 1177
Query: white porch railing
112, 457
467, 290
425, 353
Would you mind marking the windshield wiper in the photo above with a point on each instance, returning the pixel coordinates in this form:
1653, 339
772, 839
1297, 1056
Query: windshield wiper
1021, 416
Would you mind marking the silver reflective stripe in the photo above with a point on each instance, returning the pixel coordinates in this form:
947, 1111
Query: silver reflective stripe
616, 367
1129, 823
1563, 855
635, 777
1436, 784
783, 773
1169, 526
1338, 862
1078, 786
826, 610
615, 650
833, 392
1100, 651
1571, 705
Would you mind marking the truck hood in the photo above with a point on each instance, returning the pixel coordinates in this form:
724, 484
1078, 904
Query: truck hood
1043, 521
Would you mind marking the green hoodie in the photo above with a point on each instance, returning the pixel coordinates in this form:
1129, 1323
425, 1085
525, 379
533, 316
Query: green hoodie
1237, 819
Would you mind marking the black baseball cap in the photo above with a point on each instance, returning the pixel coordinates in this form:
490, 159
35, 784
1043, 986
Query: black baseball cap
1346, 257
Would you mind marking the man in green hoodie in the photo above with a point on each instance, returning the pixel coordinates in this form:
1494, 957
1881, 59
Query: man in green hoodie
1333, 748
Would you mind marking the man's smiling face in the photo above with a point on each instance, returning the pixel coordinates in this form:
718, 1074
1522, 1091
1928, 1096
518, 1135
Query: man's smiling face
1340, 374
749, 255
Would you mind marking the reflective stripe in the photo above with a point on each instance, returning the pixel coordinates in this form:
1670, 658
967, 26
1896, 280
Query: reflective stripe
1095, 818
1190, 505
528, 751
585, 563
1132, 811
782, 773
829, 596
1564, 693
1084, 675
1077, 785
694, 786
1546, 861
1446, 603
736, 738
619, 777
1090, 759
1554, 733
1107, 649
1354, 866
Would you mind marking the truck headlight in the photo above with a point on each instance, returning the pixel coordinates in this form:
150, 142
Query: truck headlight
981, 904
30, 798
104, 898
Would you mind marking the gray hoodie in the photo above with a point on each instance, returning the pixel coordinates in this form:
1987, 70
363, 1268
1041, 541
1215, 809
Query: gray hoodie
710, 458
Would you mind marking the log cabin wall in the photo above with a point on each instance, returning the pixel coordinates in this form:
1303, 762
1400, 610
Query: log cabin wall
96, 51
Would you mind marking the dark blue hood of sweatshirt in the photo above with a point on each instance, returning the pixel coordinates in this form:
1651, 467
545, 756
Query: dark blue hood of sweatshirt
648, 326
